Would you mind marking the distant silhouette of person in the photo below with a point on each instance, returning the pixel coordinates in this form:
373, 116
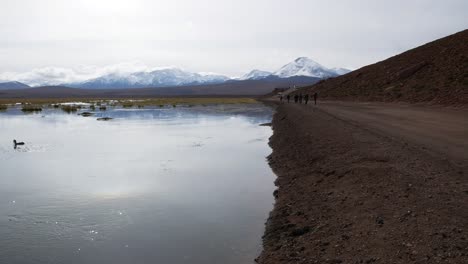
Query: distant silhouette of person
306, 98
300, 98
296, 98
16, 144
281, 98
315, 98
288, 97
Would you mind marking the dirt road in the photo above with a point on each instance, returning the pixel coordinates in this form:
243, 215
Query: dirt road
438, 129
368, 183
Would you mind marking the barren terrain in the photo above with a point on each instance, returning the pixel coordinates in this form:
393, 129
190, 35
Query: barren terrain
368, 183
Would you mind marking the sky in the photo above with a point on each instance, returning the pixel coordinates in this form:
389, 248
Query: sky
70, 40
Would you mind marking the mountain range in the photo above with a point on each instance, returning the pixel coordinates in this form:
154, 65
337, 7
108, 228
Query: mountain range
171, 77
13, 85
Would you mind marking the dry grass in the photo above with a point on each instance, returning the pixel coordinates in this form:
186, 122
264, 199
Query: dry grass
31, 108
69, 108
127, 104
134, 102
37, 104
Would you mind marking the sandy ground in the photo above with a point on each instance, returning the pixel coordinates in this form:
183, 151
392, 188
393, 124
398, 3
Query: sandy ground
438, 129
368, 183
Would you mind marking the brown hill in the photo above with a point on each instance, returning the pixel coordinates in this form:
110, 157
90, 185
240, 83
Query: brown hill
436, 72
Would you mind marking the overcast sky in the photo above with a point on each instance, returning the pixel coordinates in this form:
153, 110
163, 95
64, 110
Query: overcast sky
229, 37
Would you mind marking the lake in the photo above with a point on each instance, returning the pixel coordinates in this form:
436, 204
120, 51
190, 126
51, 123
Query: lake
153, 185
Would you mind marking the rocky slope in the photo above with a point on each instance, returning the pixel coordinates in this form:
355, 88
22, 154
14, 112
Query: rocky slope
436, 72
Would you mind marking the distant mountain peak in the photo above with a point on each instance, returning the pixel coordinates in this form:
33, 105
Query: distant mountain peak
304, 60
156, 78
341, 71
13, 85
304, 66
256, 75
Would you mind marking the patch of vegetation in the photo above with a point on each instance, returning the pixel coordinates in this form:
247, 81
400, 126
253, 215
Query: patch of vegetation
103, 108
161, 102
127, 105
69, 108
3, 107
27, 108
92, 107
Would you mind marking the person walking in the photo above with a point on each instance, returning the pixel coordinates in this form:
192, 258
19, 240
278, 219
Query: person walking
288, 97
315, 98
300, 98
281, 98
296, 97
306, 98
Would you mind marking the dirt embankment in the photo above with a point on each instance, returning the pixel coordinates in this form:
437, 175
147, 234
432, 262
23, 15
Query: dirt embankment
349, 194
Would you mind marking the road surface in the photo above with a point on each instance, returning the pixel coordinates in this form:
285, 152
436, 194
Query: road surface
443, 131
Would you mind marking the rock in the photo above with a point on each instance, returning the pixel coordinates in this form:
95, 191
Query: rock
275, 193
334, 261
104, 118
265, 124
86, 114
300, 231
379, 220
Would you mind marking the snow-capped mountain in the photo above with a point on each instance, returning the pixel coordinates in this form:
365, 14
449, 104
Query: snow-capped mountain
256, 75
301, 67
156, 78
13, 85
304, 66
142, 77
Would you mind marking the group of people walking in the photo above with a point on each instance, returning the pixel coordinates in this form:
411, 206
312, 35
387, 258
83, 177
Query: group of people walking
299, 98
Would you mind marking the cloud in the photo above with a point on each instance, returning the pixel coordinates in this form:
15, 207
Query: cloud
227, 36
59, 75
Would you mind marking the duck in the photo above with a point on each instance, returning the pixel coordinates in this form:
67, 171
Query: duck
17, 143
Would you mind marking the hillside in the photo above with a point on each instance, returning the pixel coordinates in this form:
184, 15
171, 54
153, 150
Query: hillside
436, 72
13, 85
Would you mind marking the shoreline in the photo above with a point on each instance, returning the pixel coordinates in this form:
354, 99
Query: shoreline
348, 194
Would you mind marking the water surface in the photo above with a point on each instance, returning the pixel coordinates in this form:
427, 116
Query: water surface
161, 185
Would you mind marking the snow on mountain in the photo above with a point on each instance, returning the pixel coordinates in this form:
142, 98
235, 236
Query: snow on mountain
340, 71
304, 66
301, 66
255, 75
13, 85
156, 78
140, 76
